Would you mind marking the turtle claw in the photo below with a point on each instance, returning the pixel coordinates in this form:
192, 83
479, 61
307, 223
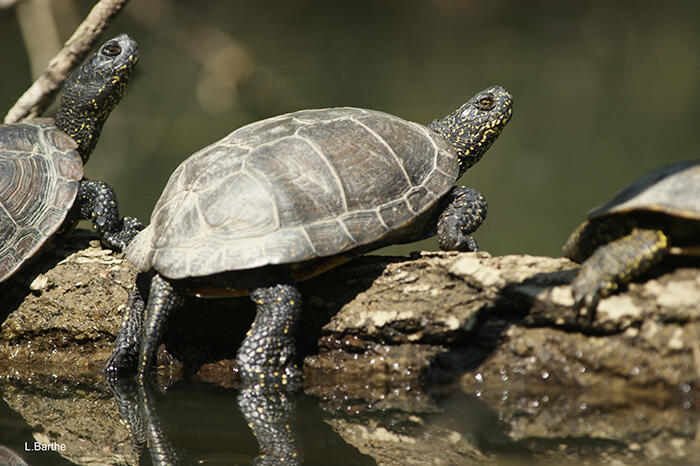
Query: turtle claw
585, 313
465, 244
587, 294
121, 238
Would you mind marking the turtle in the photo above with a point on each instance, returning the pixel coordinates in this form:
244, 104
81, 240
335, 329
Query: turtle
42, 189
286, 198
656, 215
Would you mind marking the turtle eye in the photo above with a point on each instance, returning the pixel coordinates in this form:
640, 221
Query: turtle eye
486, 103
111, 49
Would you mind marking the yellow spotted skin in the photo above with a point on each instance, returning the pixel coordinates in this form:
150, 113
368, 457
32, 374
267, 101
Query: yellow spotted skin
465, 212
616, 263
269, 414
93, 90
88, 97
472, 128
266, 357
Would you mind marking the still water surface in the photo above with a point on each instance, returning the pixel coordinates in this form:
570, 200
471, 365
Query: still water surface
203, 424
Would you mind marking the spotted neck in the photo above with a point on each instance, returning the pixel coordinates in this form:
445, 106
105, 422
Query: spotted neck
80, 116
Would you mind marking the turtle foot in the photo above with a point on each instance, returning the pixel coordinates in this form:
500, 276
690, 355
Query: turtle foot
121, 238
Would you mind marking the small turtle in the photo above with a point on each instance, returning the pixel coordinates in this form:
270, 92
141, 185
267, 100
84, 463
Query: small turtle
658, 214
289, 197
42, 189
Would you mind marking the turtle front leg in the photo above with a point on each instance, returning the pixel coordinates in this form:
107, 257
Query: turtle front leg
267, 353
96, 201
615, 264
465, 212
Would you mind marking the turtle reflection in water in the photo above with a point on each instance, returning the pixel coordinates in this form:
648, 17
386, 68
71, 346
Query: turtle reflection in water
42, 189
269, 414
658, 214
286, 198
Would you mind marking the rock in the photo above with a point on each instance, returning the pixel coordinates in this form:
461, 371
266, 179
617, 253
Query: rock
60, 313
513, 316
83, 419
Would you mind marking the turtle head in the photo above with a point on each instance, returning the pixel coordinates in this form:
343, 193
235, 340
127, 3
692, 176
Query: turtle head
472, 128
94, 89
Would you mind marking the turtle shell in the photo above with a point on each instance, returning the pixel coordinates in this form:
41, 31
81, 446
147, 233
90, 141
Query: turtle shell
673, 190
40, 171
293, 188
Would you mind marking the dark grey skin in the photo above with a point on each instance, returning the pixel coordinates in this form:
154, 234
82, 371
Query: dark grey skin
42, 190
286, 198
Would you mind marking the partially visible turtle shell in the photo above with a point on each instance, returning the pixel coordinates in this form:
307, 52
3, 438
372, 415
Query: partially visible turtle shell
309, 184
673, 190
40, 171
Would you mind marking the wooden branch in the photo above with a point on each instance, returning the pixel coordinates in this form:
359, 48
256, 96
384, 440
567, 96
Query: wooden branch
5, 4
35, 100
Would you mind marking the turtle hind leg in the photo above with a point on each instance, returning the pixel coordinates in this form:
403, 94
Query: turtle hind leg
126, 346
163, 299
267, 354
464, 213
615, 264
96, 201
592, 233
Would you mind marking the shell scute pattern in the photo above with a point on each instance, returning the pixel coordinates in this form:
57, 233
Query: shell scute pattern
364, 226
58, 139
22, 137
239, 208
329, 237
262, 132
315, 115
53, 216
395, 213
369, 168
419, 197
208, 168
290, 246
303, 186
38, 185
404, 137
270, 192
66, 166
436, 182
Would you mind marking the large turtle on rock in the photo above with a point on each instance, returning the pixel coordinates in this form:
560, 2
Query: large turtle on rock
657, 215
286, 198
42, 189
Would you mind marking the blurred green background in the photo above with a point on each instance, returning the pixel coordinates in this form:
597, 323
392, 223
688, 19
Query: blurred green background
604, 91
